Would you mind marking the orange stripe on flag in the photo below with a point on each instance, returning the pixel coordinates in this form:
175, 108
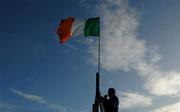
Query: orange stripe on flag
64, 29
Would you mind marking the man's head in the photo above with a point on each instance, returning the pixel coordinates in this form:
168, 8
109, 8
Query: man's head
111, 92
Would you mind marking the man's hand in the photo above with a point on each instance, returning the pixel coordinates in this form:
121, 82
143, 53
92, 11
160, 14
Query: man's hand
105, 96
101, 99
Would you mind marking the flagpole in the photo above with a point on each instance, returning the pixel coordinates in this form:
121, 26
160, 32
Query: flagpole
99, 59
99, 70
99, 48
96, 105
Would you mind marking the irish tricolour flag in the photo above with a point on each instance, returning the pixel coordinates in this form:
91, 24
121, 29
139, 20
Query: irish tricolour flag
71, 26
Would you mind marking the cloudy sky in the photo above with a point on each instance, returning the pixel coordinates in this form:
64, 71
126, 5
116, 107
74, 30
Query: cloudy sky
140, 55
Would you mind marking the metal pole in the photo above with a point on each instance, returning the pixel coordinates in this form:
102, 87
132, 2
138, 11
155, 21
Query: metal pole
96, 104
99, 55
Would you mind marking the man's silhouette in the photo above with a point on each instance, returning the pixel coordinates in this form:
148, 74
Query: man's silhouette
111, 104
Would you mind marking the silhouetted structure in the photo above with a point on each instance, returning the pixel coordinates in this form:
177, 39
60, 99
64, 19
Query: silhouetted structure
97, 96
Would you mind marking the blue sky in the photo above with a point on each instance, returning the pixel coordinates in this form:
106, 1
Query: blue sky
140, 55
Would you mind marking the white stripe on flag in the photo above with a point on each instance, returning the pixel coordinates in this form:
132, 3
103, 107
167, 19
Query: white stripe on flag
78, 27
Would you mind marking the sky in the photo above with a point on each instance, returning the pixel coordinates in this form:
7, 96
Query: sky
140, 55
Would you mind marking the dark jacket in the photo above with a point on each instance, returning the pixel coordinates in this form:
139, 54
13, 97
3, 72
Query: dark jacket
111, 104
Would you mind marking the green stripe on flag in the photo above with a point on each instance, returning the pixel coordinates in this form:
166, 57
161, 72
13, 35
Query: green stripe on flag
92, 27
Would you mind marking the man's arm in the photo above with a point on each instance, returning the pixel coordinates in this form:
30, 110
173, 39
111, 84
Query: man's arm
116, 104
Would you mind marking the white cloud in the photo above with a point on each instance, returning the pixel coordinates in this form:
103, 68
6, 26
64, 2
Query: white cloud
164, 83
28, 96
38, 99
132, 100
122, 50
169, 108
